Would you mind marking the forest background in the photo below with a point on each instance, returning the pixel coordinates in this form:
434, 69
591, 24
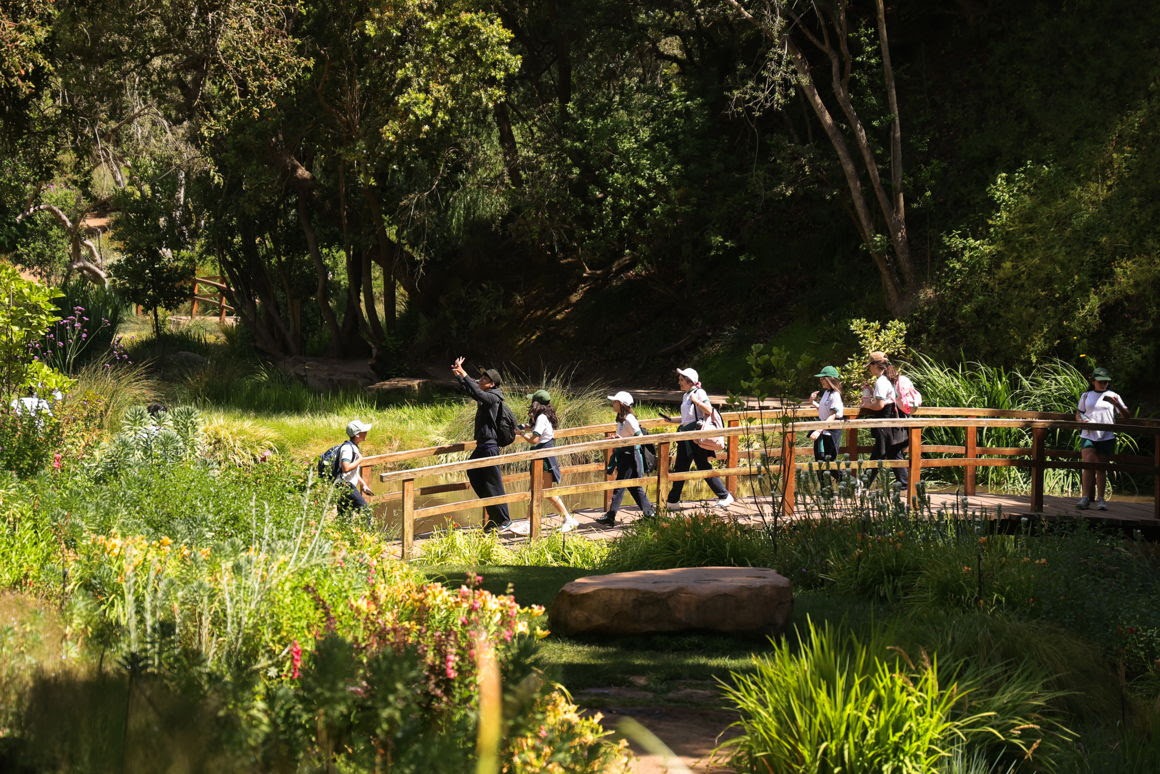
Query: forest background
606, 185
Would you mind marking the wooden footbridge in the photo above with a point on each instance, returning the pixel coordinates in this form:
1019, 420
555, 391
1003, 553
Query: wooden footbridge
768, 457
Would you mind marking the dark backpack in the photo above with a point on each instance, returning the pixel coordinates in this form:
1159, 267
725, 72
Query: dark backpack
328, 468
648, 454
505, 424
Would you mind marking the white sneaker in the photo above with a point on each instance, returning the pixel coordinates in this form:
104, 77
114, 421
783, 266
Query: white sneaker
724, 502
1101, 505
1084, 503
569, 524
519, 527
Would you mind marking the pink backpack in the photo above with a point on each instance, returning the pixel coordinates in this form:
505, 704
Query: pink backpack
909, 398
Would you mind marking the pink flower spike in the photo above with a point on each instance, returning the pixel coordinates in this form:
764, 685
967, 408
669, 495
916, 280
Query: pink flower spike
295, 660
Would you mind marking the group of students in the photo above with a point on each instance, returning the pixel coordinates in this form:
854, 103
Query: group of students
881, 398
627, 462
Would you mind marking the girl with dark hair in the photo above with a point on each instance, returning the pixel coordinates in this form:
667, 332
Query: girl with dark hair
540, 433
626, 461
829, 404
879, 402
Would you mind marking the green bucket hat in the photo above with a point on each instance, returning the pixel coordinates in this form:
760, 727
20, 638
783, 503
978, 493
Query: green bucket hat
1101, 375
829, 371
541, 396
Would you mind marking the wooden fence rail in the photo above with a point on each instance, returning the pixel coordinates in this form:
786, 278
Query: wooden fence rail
758, 444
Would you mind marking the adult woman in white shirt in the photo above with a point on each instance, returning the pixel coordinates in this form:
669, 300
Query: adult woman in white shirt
1100, 406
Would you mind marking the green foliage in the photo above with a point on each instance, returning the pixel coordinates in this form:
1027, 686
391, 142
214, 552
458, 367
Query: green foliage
27, 440
773, 373
23, 31
688, 540
150, 441
873, 336
26, 311
155, 279
1068, 259
843, 704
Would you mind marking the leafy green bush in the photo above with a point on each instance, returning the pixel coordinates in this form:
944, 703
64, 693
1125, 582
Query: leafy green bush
26, 440
839, 704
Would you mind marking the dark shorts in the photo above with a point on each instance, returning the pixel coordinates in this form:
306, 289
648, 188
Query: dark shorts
1103, 448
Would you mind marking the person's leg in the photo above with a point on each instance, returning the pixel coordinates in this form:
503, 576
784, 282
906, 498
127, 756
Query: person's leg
1101, 476
1087, 476
683, 462
488, 482
703, 461
826, 450
877, 452
898, 452
834, 438
641, 497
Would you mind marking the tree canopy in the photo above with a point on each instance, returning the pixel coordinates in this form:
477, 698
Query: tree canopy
385, 177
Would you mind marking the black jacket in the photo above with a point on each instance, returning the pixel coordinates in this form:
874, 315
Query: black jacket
486, 409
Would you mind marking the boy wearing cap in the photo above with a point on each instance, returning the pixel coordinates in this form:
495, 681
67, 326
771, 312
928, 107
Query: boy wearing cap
695, 406
485, 482
349, 456
1099, 405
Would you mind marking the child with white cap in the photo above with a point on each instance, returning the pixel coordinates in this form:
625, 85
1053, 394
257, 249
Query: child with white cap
626, 461
349, 456
695, 407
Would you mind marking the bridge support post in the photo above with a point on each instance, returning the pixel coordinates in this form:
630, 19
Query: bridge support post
788, 472
536, 491
408, 516
732, 455
972, 448
914, 465
1038, 457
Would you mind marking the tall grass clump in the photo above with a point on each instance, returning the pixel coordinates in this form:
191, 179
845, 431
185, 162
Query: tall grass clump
688, 540
843, 704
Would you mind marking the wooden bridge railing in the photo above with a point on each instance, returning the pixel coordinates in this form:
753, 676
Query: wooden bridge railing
196, 298
758, 443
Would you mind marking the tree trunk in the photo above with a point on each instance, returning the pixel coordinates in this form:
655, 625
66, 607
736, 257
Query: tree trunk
879, 214
322, 285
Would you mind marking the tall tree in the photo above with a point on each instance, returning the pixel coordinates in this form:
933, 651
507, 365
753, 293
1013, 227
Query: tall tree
816, 48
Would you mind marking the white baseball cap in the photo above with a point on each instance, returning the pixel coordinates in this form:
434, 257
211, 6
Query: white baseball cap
622, 396
690, 374
356, 427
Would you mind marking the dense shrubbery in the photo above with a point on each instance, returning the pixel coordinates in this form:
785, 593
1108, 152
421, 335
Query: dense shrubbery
227, 599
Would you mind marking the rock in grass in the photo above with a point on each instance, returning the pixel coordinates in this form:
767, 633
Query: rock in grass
736, 600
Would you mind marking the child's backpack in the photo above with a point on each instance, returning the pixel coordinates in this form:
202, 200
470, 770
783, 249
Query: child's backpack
909, 398
328, 468
505, 424
648, 454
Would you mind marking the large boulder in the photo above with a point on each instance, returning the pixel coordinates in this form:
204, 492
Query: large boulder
738, 600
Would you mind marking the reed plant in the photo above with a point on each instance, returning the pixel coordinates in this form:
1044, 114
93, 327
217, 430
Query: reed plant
844, 703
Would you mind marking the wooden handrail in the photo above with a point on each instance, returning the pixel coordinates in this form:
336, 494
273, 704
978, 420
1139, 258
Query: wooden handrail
779, 429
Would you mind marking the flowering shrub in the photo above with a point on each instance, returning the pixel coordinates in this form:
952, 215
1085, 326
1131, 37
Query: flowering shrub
64, 346
400, 689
